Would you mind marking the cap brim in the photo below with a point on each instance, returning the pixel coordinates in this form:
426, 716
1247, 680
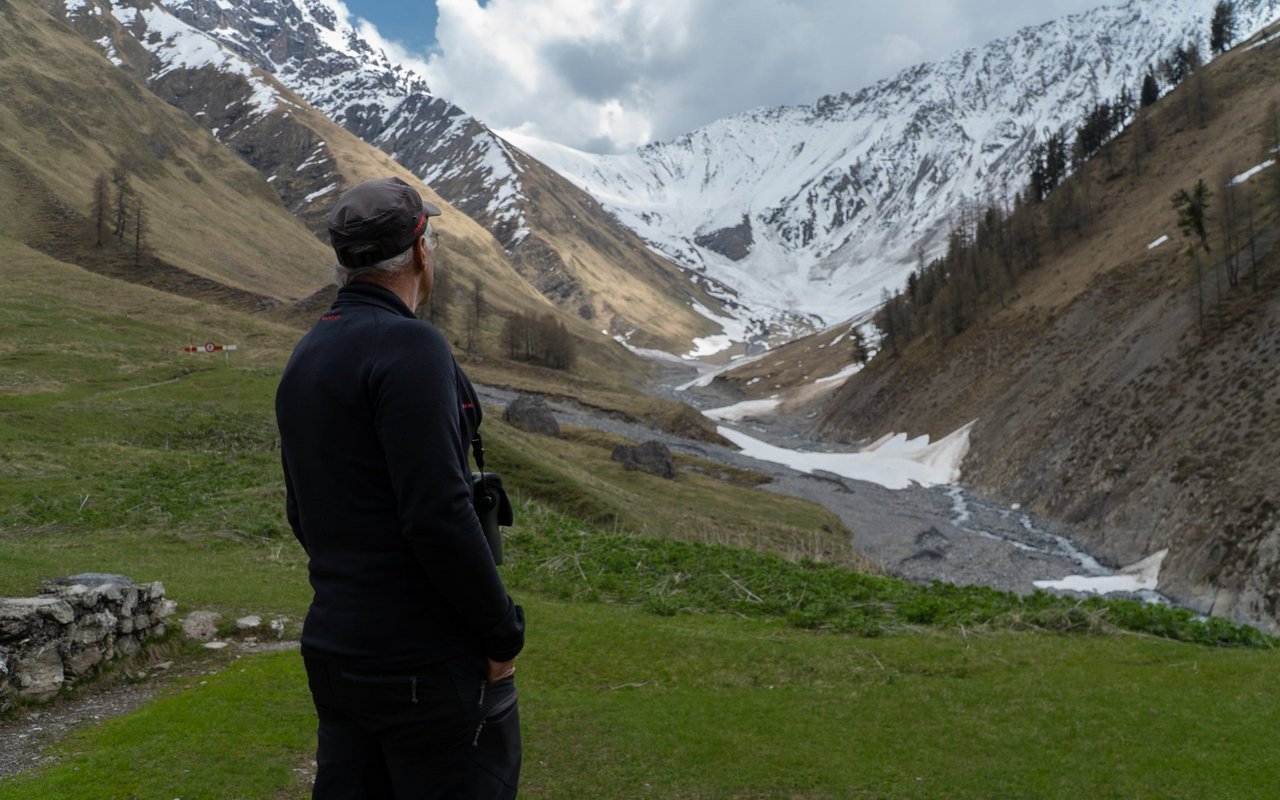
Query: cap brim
431, 209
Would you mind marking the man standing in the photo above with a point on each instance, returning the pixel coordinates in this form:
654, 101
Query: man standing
411, 638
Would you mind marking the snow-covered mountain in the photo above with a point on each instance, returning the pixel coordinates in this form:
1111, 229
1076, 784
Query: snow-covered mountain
802, 212
813, 210
313, 48
555, 235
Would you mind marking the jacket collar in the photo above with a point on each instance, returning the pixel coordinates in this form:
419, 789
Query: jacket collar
371, 294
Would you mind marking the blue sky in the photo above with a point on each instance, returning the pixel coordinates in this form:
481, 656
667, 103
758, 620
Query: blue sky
412, 23
610, 75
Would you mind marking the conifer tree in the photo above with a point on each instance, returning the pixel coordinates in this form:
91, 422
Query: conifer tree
138, 231
1150, 89
101, 201
1222, 28
475, 313
123, 194
1193, 212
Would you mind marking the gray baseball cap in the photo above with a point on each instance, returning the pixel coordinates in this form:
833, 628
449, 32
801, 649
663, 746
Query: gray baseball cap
376, 220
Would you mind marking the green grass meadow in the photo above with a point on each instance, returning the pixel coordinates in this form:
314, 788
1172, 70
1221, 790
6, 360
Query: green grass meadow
619, 703
695, 639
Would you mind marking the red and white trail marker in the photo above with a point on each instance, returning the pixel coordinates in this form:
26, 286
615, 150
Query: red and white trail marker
210, 347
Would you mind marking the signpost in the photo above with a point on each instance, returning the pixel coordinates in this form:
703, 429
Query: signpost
210, 348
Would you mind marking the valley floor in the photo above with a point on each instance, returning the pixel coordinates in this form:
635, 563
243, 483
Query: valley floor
920, 533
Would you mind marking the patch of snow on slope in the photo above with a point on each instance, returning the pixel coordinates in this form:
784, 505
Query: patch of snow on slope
843, 375
1249, 173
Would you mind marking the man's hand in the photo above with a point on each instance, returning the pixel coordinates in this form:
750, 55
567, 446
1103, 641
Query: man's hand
501, 669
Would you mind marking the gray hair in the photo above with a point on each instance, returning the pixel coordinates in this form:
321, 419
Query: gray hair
386, 268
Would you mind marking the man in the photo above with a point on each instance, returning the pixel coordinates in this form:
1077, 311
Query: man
411, 638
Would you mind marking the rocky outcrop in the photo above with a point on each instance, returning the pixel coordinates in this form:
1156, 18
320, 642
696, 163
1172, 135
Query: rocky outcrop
653, 457
531, 414
732, 243
72, 628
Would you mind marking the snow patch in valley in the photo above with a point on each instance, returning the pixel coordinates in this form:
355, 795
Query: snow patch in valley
1140, 576
732, 331
739, 411
894, 462
1158, 242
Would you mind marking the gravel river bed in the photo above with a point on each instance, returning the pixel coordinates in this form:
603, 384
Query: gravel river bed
920, 533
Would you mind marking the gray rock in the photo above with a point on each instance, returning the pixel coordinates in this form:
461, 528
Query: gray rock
91, 580
93, 628
80, 662
20, 615
201, 626
653, 457
39, 676
530, 413
166, 608
249, 623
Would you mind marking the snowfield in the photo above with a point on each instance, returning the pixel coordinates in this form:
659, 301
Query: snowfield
894, 462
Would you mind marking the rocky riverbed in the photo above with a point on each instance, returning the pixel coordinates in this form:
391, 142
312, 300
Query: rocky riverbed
921, 533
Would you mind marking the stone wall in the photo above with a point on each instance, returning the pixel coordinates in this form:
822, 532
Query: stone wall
72, 628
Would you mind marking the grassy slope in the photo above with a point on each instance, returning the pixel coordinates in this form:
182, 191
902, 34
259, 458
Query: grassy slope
110, 427
69, 116
627, 286
207, 211
471, 256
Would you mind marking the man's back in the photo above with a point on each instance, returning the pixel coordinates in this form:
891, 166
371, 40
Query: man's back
375, 419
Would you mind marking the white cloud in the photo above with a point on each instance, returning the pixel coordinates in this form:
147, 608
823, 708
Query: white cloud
398, 53
613, 74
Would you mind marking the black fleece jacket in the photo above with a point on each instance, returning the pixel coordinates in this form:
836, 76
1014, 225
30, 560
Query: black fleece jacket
375, 420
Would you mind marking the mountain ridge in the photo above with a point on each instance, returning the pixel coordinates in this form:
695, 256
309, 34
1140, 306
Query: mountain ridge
844, 196
609, 278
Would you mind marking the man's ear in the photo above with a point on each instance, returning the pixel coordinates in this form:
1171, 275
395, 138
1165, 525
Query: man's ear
420, 254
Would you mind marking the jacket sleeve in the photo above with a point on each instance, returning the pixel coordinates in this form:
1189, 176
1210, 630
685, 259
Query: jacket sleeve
291, 503
416, 412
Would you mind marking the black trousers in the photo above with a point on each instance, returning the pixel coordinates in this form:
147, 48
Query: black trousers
443, 732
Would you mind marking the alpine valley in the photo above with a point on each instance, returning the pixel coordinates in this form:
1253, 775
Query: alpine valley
1108, 385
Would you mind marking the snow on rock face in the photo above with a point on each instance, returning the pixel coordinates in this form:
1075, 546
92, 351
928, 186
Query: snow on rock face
177, 45
314, 48
839, 197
